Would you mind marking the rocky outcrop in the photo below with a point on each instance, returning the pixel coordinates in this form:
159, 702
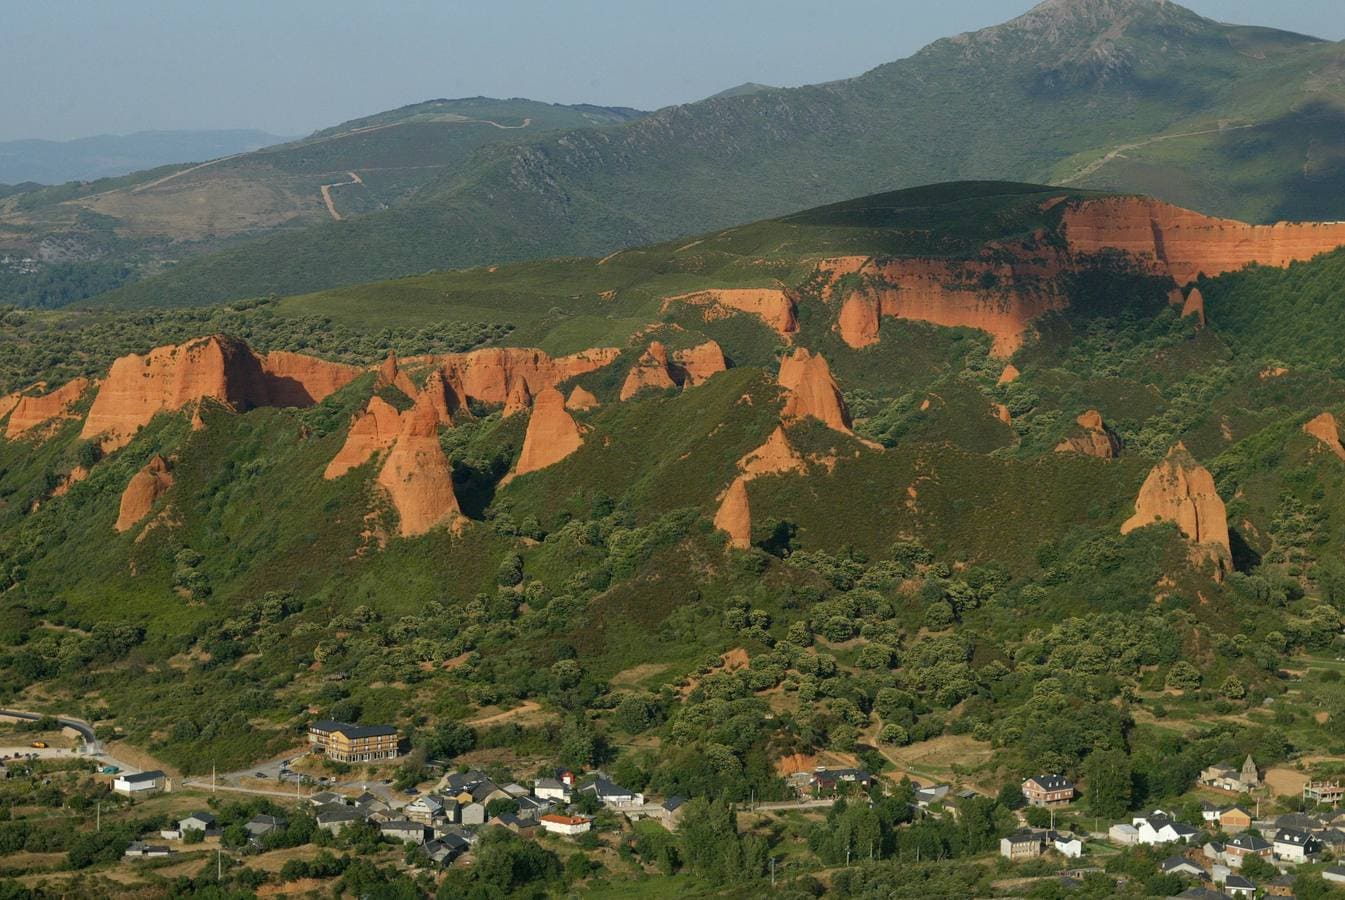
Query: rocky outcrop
373, 431
1009, 375
488, 375
1326, 429
30, 411
775, 457
1181, 491
1002, 413
8, 402
770, 305
390, 374
858, 320
651, 371
734, 517
552, 434
1094, 438
142, 492
518, 398
581, 400
811, 391
1194, 306
444, 397
170, 378
417, 475
1187, 244
695, 365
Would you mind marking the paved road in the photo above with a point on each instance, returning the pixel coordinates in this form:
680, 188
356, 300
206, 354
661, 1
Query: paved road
84, 728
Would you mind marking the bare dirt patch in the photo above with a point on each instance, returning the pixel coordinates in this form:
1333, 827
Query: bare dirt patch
636, 674
1284, 782
527, 711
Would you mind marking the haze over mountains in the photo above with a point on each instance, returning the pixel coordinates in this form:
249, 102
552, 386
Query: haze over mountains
1136, 95
110, 155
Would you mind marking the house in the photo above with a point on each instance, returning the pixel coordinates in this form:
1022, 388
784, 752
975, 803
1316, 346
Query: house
1296, 846
405, 830
1300, 821
1237, 886
261, 825
345, 742
142, 784
455, 783
1335, 874
532, 808
1214, 851
1180, 865
551, 789
1026, 843
672, 809
613, 795
511, 822
425, 808
445, 849
516, 790
1201, 893
452, 811
1048, 790
1126, 835
336, 817
1210, 813
1245, 845
197, 821
1160, 828
925, 797
831, 779
567, 825
1332, 839
1227, 778
1069, 846
1281, 886
1323, 792
472, 814
1235, 819
141, 850
326, 798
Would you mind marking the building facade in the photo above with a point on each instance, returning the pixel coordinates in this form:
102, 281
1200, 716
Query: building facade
349, 743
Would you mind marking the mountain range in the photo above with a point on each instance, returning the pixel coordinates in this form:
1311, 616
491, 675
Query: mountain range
30, 163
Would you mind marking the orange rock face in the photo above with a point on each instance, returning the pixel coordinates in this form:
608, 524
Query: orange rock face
373, 431
651, 370
1187, 244
444, 397
1002, 413
1009, 375
775, 457
171, 377
143, 490
581, 400
1195, 306
1182, 491
695, 365
734, 517
417, 474
811, 391
769, 305
390, 374
8, 402
488, 375
1326, 429
858, 321
552, 434
1094, 439
518, 399
28, 412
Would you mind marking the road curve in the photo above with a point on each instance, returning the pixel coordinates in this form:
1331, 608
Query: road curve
84, 728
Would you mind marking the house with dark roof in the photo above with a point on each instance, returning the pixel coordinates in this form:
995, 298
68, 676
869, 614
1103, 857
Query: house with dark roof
197, 821
141, 850
613, 795
346, 742
1048, 790
1237, 886
1295, 845
1026, 843
334, 818
1245, 845
261, 825
141, 784
1180, 865
405, 830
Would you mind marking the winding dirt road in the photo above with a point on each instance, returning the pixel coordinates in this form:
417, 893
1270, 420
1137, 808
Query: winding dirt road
327, 193
1097, 164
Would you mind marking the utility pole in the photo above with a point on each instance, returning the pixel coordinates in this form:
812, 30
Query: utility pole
219, 865
99, 818
212, 777
772, 871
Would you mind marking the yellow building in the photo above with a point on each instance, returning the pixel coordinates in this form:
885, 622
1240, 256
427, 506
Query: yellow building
349, 743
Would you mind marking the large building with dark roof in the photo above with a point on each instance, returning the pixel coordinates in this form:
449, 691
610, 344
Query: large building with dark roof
349, 743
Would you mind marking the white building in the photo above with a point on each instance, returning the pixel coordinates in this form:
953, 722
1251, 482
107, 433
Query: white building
551, 789
1127, 835
567, 825
1069, 845
1296, 846
142, 784
1159, 828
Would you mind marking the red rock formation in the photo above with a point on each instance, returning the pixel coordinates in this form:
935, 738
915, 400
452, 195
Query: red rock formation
487, 375
811, 391
442, 396
1182, 491
770, 305
775, 457
735, 515
832, 270
32, 411
143, 490
8, 402
390, 374
858, 321
581, 400
695, 365
225, 369
373, 431
651, 370
552, 434
1326, 429
417, 474
1187, 244
1194, 306
519, 397
69, 480
1002, 413
1009, 375
1095, 439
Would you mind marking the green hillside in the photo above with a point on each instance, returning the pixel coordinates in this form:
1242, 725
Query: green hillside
1131, 95
941, 595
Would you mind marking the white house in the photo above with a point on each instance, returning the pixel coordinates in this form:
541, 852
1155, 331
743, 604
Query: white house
425, 808
1180, 865
142, 784
613, 795
567, 825
1069, 845
1237, 886
1159, 828
473, 814
141, 850
551, 789
1335, 874
1296, 846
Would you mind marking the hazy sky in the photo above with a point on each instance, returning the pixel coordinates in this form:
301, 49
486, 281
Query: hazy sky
72, 68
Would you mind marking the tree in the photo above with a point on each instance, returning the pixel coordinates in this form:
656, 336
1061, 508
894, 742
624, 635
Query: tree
1232, 688
1183, 676
1108, 773
450, 739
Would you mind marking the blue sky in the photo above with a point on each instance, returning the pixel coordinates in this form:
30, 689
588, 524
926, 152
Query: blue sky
78, 67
